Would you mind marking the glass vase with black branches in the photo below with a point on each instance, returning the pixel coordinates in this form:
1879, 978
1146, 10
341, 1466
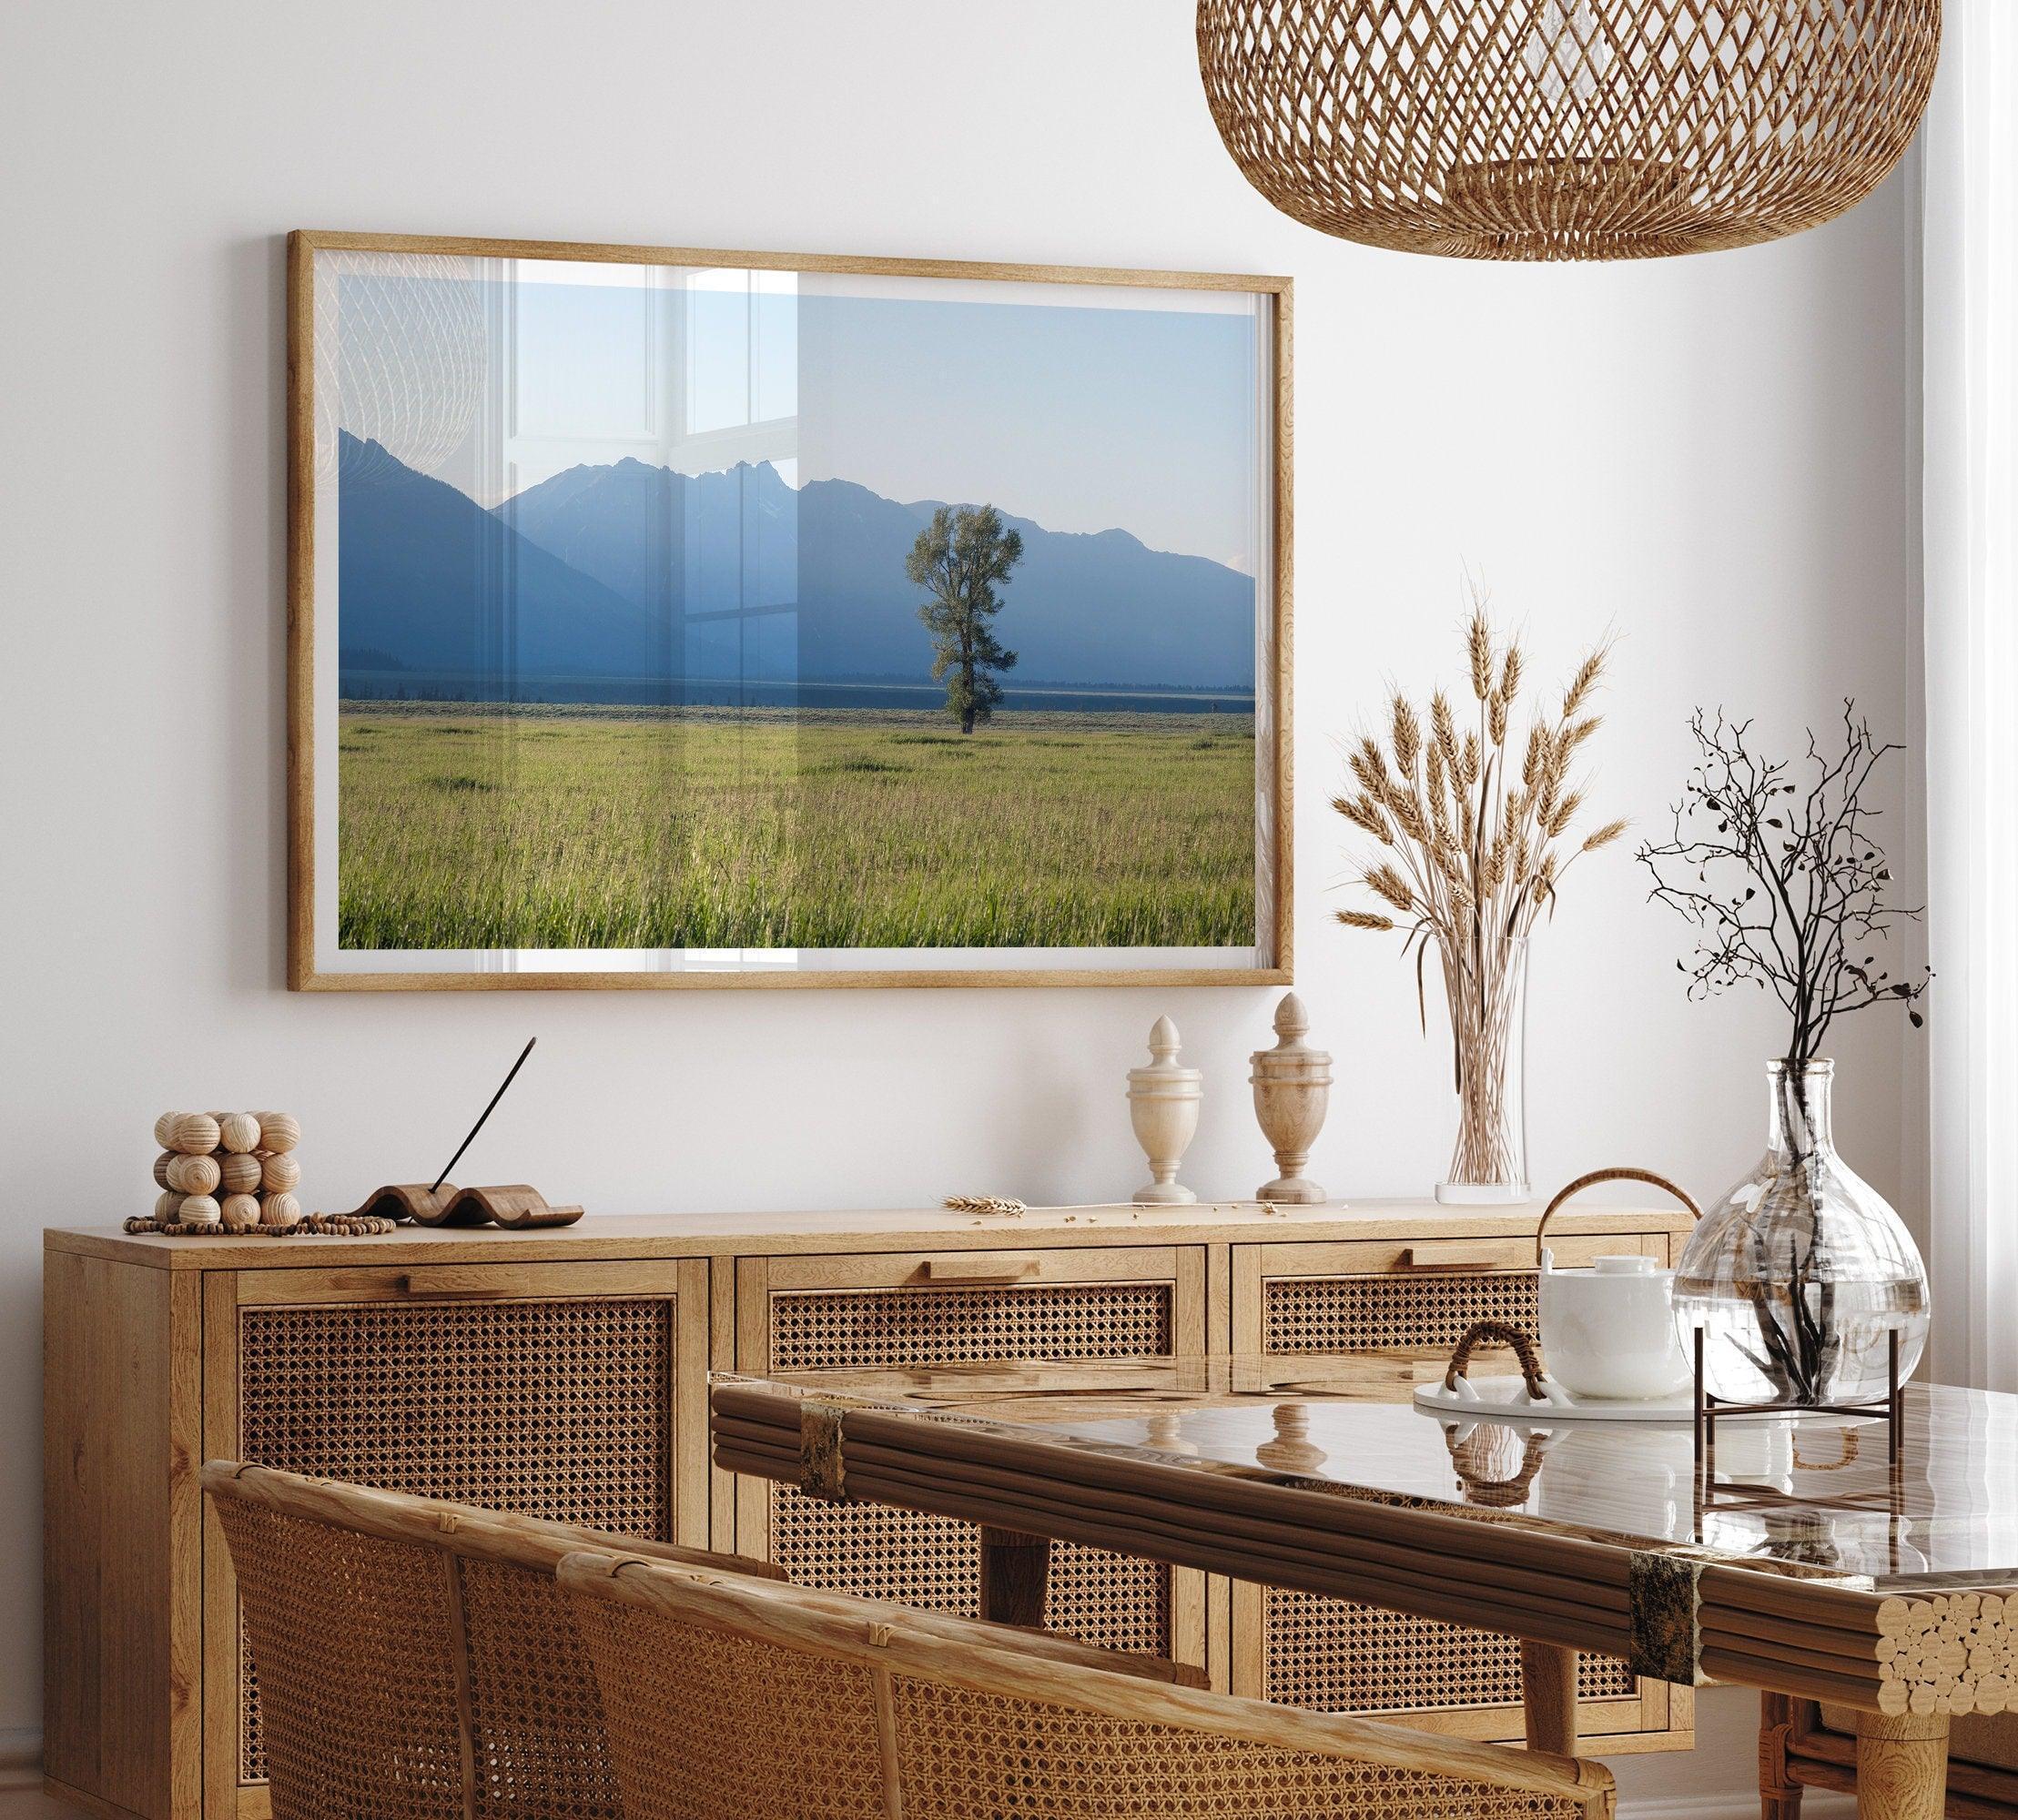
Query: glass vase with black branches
1802, 1272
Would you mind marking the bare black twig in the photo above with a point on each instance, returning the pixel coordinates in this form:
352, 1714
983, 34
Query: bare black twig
1789, 888
1788, 885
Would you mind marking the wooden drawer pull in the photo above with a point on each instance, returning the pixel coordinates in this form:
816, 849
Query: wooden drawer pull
438, 1291
983, 1268
1421, 1258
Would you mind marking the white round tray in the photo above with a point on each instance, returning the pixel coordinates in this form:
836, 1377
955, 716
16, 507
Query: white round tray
1507, 1399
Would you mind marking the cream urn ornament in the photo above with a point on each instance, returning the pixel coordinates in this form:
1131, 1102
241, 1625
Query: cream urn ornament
1163, 1106
1292, 1089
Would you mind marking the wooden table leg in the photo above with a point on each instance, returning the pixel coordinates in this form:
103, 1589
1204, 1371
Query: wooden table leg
1015, 1570
1778, 1794
1549, 1692
1901, 1766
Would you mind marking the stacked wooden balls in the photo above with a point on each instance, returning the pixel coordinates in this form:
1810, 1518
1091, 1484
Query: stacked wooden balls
234, 1168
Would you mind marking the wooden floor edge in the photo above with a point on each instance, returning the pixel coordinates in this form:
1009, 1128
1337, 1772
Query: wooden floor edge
90, 1804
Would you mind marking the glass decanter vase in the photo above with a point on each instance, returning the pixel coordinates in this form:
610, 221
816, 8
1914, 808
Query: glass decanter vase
1801, 1271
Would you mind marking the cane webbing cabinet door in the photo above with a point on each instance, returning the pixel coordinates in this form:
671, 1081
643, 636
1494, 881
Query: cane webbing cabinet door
794, 1313
575, 1391
1404, 1304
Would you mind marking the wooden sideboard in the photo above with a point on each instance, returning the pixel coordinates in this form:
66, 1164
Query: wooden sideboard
564, 1374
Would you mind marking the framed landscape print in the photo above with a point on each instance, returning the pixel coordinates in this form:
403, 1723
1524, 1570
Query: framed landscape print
666, 618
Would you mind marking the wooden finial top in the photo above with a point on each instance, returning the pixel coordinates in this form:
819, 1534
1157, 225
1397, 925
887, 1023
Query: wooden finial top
1292, 1058
1165, 1078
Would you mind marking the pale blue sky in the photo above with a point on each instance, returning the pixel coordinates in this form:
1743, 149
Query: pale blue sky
1080, 417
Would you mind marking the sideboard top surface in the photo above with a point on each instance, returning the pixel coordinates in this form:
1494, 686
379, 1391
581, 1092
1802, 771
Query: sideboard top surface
751, 1234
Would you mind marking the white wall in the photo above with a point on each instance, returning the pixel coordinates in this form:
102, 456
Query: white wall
1707, 455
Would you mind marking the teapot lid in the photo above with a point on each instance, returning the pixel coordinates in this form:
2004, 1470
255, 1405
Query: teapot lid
1630, 1264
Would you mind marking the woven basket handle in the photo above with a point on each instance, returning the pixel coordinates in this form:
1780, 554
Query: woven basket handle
1525, 1349
1591, 1181
1497, 1493
1847, 1441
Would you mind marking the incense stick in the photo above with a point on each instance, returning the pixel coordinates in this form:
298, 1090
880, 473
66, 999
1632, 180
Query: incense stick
485, 1114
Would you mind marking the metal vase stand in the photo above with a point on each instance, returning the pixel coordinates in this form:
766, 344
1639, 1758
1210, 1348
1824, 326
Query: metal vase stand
1711, 1493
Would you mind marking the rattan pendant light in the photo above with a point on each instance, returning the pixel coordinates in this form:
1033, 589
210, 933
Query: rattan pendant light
1565, 129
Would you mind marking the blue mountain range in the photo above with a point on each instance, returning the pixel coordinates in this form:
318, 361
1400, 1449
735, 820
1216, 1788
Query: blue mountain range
627, 571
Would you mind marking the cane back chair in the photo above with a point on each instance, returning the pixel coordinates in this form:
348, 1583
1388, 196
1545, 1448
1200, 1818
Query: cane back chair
415, 1659
728, 1697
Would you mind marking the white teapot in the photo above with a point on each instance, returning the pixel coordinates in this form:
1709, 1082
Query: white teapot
1609, 1331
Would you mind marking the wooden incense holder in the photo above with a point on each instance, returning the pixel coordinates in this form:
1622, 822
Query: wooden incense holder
415, 1201
513, 1205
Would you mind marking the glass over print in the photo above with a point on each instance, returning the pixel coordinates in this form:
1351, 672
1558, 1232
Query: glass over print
1811, 1490
682, 619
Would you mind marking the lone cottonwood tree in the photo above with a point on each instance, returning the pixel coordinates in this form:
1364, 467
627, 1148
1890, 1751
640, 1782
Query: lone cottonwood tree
960, 558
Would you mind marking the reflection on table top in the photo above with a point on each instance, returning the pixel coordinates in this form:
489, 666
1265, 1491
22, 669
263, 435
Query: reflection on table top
1814, 1490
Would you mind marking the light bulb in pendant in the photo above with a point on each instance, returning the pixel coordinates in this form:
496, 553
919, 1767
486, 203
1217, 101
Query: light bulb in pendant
1566, 53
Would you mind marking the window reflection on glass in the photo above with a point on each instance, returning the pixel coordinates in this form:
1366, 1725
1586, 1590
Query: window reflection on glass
719, 616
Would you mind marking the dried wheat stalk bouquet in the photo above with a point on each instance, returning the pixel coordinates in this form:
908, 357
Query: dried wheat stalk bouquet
1474, 846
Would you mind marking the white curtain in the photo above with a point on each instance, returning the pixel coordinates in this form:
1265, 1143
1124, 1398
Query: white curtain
1970, 160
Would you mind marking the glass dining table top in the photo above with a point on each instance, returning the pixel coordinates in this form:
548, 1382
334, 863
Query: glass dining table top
1814, 1492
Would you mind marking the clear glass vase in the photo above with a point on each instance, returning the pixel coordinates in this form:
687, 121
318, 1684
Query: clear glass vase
1485, 988
1800, 1272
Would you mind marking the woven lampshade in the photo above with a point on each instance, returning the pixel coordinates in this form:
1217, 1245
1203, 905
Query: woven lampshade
1565, 129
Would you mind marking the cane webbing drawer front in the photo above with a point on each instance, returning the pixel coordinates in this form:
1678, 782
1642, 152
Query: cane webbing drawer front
1338, 1656
1426, 1312
554, 1407
881, 1552
1341, 1657
923, 1326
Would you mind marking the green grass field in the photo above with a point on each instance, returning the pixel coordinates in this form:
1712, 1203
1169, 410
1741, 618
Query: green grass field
568, 827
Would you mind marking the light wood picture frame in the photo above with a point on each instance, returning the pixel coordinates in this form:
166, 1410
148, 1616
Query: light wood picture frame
655, 641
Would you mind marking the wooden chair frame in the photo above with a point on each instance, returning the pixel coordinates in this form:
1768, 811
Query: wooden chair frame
894, 1640
461, 1529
